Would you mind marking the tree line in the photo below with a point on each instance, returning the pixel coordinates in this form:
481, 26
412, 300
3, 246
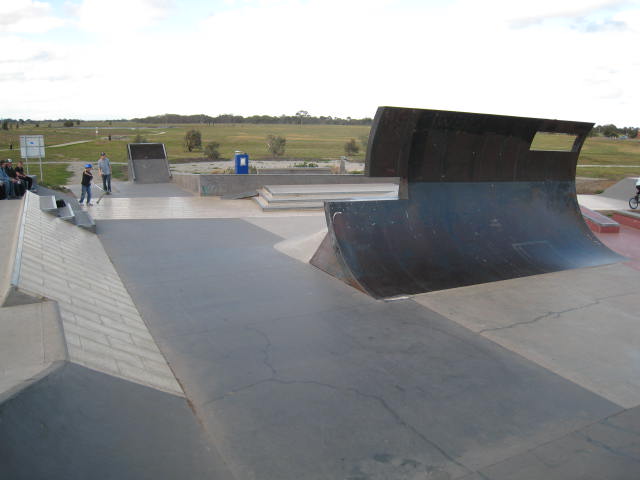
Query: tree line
611, 131
301, 117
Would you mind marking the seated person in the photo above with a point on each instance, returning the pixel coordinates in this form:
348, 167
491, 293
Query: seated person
18, 185
28, 181
6, 181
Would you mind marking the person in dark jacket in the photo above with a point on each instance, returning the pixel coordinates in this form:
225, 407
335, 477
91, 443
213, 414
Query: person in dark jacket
87, 177
18, 185
28, 181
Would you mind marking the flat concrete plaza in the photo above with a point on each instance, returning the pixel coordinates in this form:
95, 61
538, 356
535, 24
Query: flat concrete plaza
234, 358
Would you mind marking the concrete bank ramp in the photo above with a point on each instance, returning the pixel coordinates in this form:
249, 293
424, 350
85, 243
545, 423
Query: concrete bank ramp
103, 329
479, 202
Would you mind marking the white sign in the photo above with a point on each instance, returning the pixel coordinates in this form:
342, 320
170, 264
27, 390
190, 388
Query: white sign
32, 146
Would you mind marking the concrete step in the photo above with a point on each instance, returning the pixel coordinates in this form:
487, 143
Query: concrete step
266, 206
312, 197
328, 190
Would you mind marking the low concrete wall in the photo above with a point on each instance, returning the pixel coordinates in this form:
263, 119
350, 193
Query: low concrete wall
188, 181
225, 184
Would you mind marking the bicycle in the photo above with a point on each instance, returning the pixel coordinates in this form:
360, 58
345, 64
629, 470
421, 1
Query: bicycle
633, 202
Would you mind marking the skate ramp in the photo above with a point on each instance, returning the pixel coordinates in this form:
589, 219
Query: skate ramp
623, 190
148, 163
479, 202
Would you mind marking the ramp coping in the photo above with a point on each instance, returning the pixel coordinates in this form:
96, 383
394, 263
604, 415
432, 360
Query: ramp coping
17, 262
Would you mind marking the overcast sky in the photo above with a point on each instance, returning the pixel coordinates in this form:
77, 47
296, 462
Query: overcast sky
107, 59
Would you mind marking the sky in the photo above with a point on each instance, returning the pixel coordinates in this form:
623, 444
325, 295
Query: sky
112, 59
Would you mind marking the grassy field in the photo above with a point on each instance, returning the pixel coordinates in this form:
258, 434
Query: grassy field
306, 142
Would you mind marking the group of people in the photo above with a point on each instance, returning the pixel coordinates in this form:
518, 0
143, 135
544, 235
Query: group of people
104, 167
13, 181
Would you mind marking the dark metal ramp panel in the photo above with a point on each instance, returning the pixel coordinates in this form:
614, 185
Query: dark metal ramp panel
148, 163
478, 205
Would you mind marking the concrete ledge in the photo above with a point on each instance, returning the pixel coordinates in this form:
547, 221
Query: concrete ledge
630, 219
598, 222
48, 204
31, 341
66, 213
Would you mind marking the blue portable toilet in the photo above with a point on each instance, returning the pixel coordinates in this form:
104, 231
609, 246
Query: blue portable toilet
242, 163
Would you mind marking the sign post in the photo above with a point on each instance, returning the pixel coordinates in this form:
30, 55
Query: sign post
32, 146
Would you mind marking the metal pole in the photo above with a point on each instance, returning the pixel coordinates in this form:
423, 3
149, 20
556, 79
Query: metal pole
41, 175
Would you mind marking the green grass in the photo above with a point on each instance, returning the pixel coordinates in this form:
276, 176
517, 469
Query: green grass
120, 172
304, 143
54, 176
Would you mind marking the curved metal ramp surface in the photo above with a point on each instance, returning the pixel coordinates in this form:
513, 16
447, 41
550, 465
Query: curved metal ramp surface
479, 203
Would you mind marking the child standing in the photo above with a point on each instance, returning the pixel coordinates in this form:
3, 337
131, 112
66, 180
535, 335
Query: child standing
87, 176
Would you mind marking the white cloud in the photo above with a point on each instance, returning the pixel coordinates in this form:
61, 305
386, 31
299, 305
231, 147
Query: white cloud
27, 16
333, 57
118, 17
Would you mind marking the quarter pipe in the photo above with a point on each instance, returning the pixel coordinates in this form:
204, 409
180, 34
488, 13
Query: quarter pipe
479, 203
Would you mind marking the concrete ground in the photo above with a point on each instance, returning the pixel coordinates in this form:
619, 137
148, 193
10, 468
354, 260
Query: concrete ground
290, 374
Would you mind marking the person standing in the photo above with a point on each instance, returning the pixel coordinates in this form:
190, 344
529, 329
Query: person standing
104, 166
87, 177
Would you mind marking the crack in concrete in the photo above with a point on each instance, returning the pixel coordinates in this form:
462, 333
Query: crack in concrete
554, 314
381, 401
266, 351
608, 448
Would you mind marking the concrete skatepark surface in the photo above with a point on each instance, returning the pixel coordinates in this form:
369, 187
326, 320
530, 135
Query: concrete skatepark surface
289, 373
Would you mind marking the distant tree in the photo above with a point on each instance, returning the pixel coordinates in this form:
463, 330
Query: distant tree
351, 148
211, 150
276, 145
610, 131
5, 124
302, 114
192, 139
77, 122
68, 123
633, 132
139, 139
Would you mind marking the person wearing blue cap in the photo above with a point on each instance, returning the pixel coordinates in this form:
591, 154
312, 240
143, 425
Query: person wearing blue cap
87, 177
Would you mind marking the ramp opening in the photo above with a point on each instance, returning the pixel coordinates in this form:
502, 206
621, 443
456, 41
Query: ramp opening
553, 142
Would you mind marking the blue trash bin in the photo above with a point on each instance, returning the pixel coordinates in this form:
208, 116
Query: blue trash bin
242, 163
